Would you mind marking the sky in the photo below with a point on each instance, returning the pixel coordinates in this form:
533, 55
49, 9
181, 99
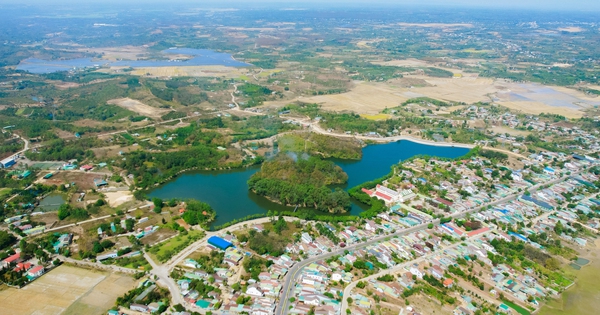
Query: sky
577, 5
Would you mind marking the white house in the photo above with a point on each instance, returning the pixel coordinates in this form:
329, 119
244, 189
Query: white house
416, 272
306, 238
254, 291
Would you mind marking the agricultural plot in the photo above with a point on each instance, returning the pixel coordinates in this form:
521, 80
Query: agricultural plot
67, 290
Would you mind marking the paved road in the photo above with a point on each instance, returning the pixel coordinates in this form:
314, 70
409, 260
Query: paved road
290, 279
394, 269
164, 279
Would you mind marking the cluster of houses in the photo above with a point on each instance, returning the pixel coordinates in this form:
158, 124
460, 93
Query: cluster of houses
18, 264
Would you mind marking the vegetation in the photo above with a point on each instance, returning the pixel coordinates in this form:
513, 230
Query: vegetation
301, 182
318, 144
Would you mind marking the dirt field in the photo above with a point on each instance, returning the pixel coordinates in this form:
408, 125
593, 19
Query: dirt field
118, 198
192, 71
139, 107
81, 179
373, 97
67, 290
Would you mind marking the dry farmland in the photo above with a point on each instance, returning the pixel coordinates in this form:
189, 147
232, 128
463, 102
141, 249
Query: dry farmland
67, 290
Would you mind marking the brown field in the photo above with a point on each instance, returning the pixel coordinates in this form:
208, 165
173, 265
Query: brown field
67, 290
139, 107
116, 53
113, 150
82, 180
118, 198
436, 25
373, 97
571, 29
191, 71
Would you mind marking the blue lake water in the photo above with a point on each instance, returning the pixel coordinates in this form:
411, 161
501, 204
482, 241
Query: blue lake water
201, 57
227, 191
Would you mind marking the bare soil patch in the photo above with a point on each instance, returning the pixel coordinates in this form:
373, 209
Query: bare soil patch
118, 198
67, 290
139, 107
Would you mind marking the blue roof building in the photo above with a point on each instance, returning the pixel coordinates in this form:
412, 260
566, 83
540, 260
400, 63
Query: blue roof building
219, 242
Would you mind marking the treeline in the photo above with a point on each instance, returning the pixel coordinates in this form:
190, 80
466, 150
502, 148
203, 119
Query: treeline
63, 150
302, 182
150, 168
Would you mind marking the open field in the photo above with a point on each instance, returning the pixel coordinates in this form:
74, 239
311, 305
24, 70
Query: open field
139, 107
190, 71
436, 25
377, 116
67, 290
372, 97
118, 198
583, 298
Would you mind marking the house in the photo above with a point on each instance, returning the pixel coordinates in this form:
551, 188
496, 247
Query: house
416, 272
448, 283
36, 271
306, 238
111, 312
139, 308
254, 290
87, 168
23, 267
13, 259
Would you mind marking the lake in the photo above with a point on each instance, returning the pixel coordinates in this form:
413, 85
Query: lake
227, 191
200, 57
51, 202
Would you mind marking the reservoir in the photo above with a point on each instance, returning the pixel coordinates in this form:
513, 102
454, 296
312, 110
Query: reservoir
200, 57
51, 202
227, 191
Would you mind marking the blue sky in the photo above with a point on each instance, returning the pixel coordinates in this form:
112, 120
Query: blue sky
578, 5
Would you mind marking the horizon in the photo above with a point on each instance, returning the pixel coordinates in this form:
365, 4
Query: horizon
530, 5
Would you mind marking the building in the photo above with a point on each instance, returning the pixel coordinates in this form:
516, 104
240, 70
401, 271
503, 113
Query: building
8, 162
448, 283
219, 242
13, 259
36, 271
86, 168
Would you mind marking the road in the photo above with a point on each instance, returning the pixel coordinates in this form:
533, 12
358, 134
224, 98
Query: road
314, 126
293, 273
162, 272
90, 220
394, 269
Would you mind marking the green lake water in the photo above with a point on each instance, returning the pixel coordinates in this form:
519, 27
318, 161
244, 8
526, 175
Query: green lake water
51, 203
227, 191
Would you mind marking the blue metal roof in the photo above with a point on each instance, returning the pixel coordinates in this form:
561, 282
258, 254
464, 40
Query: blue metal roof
219, 242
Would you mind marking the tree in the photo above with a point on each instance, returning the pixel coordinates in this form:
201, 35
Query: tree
64, 211
6, 239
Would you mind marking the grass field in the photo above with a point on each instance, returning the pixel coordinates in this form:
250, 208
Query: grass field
583, 298
376, 117
174, 245
516, 307
66, 290
4, 192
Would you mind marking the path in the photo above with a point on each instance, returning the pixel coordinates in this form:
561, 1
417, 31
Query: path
291, 276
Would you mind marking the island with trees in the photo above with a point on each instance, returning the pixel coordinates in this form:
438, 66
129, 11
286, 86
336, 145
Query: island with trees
292, 180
